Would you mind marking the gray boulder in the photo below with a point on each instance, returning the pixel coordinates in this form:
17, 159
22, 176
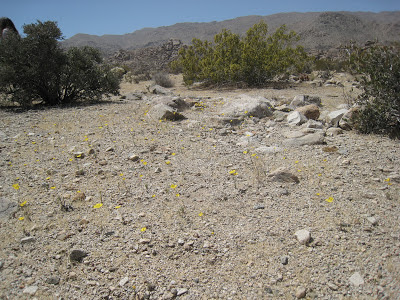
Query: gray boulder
334, 117
302, 100
317, 138
159, 90
164, 112
245, 105
296, 118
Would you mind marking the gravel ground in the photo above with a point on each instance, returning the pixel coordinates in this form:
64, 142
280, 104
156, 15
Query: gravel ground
106, 203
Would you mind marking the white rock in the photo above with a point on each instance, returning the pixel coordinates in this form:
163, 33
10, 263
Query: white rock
301, 292
295, 118
30, 290
334, 117
356, 279
303, 236
123, 281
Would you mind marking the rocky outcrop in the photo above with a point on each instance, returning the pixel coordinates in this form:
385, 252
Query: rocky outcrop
149, 59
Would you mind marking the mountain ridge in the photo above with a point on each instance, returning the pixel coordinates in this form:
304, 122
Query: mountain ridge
317, 30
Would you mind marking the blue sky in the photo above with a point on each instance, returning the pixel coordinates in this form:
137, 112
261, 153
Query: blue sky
123, 16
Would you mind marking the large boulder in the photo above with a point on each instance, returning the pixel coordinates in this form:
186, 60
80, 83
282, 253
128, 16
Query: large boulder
245, 105
175, 102
334, 117
317, 138
164, 112
302, 100
310, 111
347, 121
295, 118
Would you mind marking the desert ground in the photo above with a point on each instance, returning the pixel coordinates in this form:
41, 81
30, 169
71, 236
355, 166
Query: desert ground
103, 201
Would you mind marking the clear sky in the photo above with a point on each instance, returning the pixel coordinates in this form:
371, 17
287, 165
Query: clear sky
125, 16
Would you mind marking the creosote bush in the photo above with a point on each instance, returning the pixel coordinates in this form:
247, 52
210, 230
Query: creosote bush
163, 80
380, 100
253, 59
35, 67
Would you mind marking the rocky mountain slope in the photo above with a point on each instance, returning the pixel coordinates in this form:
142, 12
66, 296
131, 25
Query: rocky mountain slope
227, 196
318, 30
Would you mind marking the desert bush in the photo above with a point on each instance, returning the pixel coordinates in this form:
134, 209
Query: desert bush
35, 67
380, 100
163, 80
253, 59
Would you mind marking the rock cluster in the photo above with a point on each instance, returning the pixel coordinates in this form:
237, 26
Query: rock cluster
149, 59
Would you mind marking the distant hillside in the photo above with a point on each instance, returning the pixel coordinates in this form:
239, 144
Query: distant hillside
318, 30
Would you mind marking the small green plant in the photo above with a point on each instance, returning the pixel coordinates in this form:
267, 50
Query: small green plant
380, 100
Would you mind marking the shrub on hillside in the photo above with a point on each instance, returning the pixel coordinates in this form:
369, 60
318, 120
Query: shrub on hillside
163, 80
253, 59
37, 68
380, 100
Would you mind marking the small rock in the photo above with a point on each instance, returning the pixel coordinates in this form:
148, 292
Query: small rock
333, 131
144, 241
259, 206
123, 281
372, 220
356, 279
103, 162
77, 255
28, 239
110, 149
283, 175
207, 244
79, 197
301, 292
79, 154
133, 157
309, 139
53, 280
284, 260
72, 275
30, 290
303, 236
181, 242
333, 286
181, 291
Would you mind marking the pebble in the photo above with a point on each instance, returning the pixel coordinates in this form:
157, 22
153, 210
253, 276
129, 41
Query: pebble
301, 292
133, 157
53, 280
372, 220
284, 260
333, 286
123, 281
259, 206
28, 239
77, 255
303, 236
144, 241
181, 291
79, 154
356, 279
30, 290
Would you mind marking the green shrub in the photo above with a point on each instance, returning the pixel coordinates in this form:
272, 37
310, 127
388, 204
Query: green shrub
37, 68
163, 80
254, 59
380, 100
